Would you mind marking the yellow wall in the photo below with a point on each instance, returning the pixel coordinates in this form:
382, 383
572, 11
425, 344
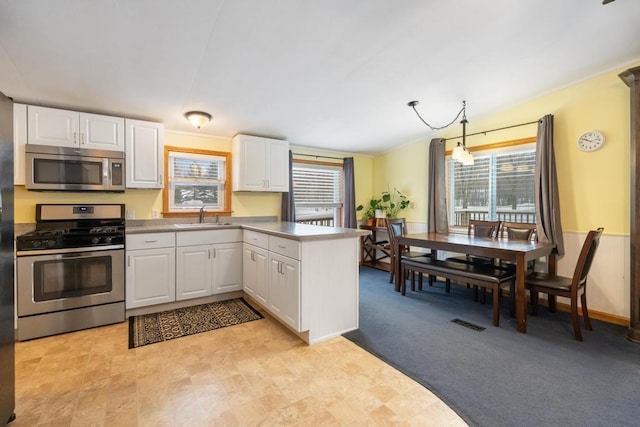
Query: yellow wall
144, 202
594, 187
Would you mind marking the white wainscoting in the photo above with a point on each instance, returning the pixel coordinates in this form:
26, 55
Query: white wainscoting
608, 289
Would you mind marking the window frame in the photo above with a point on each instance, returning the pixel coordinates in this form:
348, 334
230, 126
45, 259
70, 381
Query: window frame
226, 211
492, 148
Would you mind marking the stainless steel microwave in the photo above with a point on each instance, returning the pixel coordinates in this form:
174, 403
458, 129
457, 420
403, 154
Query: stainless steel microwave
73, 169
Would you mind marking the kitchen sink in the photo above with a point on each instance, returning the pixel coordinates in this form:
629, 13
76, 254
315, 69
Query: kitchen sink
201, 225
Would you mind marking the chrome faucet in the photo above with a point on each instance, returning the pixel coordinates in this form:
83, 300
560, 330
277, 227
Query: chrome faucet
217, 219
202, 212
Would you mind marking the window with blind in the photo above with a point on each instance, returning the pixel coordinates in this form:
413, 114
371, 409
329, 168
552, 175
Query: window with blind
499, 186
318, 193
196, 178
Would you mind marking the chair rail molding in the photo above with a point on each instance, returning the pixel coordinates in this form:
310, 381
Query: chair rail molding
632, 79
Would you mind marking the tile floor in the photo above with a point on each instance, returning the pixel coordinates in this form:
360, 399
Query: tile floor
256, 373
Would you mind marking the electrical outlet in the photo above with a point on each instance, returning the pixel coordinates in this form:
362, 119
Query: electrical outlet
155, 214
131, 214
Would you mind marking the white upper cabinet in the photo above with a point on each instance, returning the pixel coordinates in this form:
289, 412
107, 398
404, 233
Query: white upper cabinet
260, 164
65, 128
19, 142
101, 132
144, 154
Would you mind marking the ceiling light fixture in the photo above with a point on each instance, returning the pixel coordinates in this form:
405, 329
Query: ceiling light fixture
460, 153
198, 118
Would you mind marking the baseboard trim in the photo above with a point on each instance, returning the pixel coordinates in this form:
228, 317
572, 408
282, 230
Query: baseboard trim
594, 314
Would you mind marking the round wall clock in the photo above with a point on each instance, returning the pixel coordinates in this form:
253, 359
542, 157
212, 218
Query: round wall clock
590, 141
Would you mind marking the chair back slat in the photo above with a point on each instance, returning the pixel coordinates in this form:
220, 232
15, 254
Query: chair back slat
396, 227
587, 254
518, 231
483, 228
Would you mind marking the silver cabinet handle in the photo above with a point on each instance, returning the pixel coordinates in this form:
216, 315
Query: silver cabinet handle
214, 252
150, 241
83, 138
209, 253
75, 137
128, 261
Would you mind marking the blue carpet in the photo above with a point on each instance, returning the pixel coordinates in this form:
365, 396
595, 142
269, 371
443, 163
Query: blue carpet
499, 377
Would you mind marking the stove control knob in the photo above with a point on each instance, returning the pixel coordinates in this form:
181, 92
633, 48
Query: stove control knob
108, 239
36, 243
95, 240
50, 243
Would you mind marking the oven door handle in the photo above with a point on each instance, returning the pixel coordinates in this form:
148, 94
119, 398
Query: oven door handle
70, 250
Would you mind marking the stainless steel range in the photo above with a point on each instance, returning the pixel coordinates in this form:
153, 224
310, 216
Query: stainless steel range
70, 270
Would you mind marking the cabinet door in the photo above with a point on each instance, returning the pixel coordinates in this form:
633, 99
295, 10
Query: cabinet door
255, 276
284, 289
278, 165
261, 258
51, 126
248, 270
250, 168
227, 267
19, 142
151, 277
144, 142
193, 271
101, 132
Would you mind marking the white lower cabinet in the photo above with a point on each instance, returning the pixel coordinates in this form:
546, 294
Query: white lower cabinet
211, 268
193, 272
254, 272
284, 289
271, 275
151, 263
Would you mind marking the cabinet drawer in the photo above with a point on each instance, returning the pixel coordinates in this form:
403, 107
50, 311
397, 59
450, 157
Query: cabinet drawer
207, 237
151, 240
256, 239
286, 247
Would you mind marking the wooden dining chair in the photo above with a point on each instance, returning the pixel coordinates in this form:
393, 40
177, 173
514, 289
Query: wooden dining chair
477, 228
522, 231
485, 229
398, 227
569, 287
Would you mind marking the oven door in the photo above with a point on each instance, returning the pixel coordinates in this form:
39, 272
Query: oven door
50, 281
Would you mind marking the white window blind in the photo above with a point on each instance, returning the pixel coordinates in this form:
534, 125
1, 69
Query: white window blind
195, 180
317, 186
498, 186
318, 193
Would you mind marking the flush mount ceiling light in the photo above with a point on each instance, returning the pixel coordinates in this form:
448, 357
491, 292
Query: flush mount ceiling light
198, 118
460, 153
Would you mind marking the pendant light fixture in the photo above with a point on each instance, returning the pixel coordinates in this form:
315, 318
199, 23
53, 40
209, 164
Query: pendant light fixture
460, 152
197, 118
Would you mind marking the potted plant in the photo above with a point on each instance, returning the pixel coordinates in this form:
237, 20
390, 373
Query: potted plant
394, 201
370, 210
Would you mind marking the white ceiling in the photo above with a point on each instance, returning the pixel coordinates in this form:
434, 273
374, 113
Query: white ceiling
331, 74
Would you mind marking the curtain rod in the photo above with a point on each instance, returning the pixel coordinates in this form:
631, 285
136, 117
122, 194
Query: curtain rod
318, 157
493, 130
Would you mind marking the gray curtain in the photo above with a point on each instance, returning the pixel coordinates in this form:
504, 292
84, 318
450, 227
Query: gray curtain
349, 220
288, 208
437, 194
548, 225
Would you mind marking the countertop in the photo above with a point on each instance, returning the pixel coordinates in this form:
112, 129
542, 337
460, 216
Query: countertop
289, 230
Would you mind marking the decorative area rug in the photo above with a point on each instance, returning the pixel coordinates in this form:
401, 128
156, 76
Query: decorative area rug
167, 325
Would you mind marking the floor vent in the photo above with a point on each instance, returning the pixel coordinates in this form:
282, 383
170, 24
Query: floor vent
468, 325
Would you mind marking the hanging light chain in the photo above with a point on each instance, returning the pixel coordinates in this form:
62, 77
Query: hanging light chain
462, 111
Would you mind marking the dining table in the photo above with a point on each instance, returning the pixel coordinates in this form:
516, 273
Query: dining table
519, 252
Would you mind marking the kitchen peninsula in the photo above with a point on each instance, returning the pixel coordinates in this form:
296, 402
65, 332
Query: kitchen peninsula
306, 276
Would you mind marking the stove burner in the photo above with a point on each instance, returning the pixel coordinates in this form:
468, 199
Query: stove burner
67, 232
